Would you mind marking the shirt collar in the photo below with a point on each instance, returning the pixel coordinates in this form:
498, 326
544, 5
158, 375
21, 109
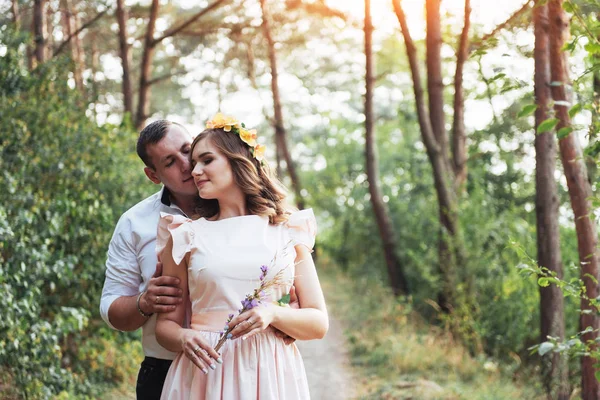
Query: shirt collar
165, 199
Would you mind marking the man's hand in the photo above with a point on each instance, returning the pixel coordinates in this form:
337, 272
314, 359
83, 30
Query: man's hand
162, 294
287, 339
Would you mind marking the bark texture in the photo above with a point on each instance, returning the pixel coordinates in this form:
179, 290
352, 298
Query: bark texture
143, 107
555, 373
579, 192
39, 26
124, 53
70, 26
459, 135
14, 7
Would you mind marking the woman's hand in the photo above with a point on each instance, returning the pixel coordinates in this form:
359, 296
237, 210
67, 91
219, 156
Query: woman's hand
199, 351
252, 321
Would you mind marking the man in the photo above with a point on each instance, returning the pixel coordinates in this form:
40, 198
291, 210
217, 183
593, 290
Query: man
134, 290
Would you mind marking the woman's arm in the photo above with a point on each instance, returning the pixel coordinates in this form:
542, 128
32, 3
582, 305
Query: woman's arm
308, 322
169, 331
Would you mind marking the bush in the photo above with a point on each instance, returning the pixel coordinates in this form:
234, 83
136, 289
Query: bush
64, 183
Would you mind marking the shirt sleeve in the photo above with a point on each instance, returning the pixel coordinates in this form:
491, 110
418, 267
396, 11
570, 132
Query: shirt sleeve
302, 227
123, 276
179, 228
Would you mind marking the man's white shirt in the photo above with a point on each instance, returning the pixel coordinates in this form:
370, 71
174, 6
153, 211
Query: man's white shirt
132, 259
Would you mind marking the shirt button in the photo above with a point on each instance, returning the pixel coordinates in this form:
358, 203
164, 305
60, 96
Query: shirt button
191, 233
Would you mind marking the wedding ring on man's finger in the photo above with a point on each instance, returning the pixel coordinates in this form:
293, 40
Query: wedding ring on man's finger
157, 299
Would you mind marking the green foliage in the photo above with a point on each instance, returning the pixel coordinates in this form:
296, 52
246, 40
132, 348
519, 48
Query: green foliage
573, 288
64, 183
547, 125
529, 109
401, 356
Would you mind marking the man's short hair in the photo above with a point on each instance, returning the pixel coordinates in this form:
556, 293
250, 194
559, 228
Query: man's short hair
152, 134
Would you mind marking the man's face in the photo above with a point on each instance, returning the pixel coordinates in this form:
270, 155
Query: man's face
170, 157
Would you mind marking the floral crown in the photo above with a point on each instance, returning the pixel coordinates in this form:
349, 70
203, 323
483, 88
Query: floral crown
248, 136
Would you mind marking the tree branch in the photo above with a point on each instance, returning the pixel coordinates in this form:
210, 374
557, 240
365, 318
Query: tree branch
84, 26
459, 151
317, 8
478, 43
411, 51
175, 30
161, 78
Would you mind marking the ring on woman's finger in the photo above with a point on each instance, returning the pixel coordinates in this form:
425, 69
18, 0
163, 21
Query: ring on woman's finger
249, 321
197, 349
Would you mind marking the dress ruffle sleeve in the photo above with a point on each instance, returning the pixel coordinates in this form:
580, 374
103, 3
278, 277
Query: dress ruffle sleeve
178, 227
303, 227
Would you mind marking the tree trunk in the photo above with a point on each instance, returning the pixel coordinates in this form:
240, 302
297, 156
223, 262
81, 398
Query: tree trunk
15, 12
579, 193
125, 58
278, 113
69, 29
79, 53
594, 132
49, 32
459, 136
39, 26
95, 65
443, 178
555, 373
384, 222
143, 106
435, 84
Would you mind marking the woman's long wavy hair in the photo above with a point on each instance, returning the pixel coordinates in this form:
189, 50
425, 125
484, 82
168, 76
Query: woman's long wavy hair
265, 195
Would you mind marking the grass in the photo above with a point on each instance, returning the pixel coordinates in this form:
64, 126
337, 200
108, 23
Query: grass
397, 355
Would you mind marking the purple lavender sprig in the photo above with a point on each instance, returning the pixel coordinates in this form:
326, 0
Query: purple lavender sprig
255, 298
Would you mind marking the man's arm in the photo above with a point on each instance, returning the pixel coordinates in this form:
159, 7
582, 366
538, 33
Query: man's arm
161, 296
119, 304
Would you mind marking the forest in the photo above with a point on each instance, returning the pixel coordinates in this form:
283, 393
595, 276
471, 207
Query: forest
449, 149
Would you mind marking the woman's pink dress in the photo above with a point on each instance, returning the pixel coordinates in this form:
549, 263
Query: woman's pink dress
224, 266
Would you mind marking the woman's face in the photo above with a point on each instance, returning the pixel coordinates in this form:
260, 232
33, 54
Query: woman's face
211, 171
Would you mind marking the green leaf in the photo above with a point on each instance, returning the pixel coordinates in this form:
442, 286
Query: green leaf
568, 7
575, 109
285, 299
597, 375
592, 48
544, 282
545, 348
527, 110
547, 125
564, 132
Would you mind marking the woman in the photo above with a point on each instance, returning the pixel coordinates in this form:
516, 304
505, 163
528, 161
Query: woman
243, 224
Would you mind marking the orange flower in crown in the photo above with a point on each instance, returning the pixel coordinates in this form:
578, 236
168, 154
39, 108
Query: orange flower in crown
259, 152
248, 136
223, 121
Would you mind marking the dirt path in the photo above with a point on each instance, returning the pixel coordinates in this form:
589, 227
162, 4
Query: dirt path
327, 365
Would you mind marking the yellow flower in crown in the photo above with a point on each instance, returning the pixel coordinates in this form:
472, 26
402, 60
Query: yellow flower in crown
259, 152
248, 136
223, 121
